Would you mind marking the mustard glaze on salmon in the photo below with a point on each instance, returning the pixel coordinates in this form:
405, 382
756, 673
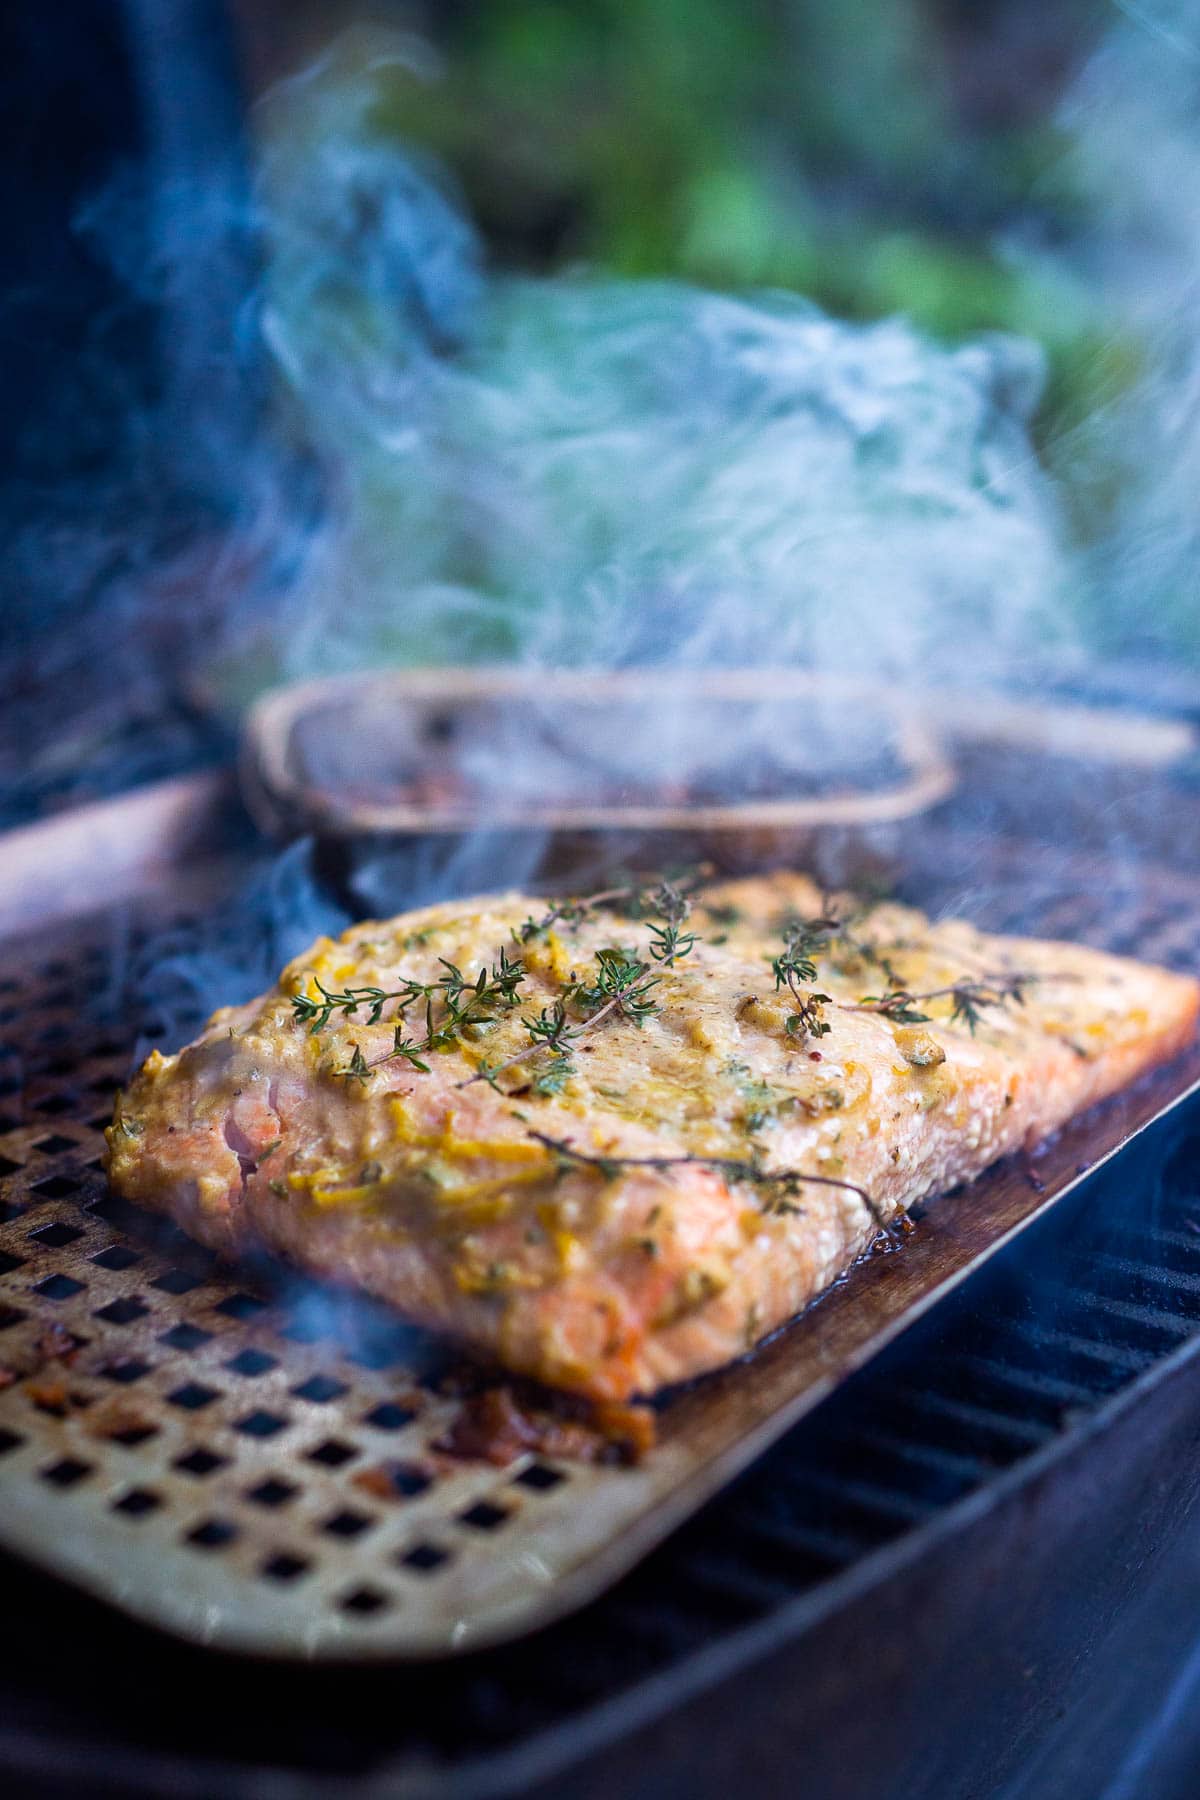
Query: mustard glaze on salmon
531, 1215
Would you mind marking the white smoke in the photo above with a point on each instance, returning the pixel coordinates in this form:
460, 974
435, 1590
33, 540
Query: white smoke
581, 471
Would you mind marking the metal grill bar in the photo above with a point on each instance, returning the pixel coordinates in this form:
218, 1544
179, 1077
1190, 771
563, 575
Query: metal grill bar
999, 1435
892, 1507
912, 1461
1005, 1383
1027, 1342
1154, 1325
1125, 1271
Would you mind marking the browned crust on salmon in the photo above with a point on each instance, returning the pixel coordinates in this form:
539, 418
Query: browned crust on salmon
617, 1280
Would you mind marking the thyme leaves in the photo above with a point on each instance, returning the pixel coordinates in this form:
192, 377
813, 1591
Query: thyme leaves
622, 986
357, 1069
570, 912
831, 937
897, 1005
970, 998
463, 998
553, 1078
668, 943
637, 900
462, 1001
794, 968
317, 1014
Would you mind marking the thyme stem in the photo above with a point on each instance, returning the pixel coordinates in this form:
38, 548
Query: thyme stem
735, 1168
571, 908
465, 1002
574, 908
570, 1036
622, 986
968, 996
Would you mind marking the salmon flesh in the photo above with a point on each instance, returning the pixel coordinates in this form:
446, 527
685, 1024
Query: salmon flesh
613, 1181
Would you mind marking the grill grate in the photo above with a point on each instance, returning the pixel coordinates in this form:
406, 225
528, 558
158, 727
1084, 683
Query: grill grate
166, 1414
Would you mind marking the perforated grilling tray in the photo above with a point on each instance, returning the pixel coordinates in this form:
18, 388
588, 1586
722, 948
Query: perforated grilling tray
231, 1466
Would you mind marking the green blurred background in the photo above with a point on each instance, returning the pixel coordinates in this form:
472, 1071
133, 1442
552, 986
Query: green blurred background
879, 156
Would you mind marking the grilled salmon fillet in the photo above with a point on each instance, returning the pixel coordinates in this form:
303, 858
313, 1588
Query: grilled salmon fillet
616, 1195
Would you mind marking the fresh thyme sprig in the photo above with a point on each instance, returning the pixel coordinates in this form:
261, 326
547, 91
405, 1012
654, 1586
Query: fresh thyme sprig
357, 1069
317, 1013
639, 898
622, 981
623, 985
571, 912
803, 941
831, 935
667, 942
464, 1001
806, 939
897, 1005
793, 969
969, 999
551, 1028
457, 991
783, 1182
